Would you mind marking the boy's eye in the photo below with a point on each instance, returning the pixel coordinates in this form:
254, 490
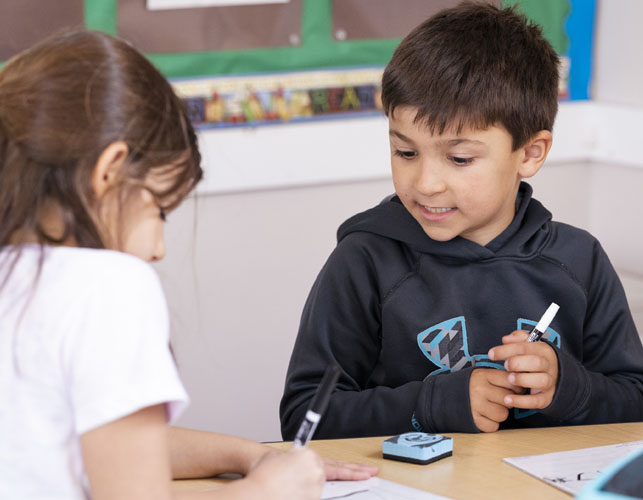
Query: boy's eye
162, 214
407, 155
460, 162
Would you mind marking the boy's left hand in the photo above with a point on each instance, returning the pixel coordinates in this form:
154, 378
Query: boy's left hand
532, 365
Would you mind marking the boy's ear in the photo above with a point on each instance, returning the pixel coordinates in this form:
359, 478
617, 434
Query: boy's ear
108, 167
535, 153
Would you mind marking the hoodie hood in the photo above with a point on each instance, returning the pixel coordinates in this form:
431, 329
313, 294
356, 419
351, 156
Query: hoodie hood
526, 234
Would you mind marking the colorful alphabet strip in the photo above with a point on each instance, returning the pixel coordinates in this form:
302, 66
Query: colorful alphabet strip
281, 97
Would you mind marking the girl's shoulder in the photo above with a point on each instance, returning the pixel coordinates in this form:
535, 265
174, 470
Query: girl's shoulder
85, 273
106, 270
99, 261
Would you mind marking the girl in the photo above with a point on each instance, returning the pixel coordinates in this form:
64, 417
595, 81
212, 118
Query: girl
95, 150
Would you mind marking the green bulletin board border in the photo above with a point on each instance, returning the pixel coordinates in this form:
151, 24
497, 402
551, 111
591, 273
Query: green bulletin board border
318, 50
101, 15
550, 15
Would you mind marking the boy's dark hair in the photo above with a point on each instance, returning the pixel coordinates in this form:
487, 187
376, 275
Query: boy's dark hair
475, 65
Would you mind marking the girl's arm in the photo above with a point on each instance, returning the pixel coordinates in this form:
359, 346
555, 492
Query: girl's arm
128, 459
205, 454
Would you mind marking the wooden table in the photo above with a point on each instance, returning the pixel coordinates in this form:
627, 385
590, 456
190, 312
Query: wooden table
476, 470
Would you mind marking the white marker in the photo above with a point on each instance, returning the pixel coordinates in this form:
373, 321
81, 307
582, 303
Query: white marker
544, 323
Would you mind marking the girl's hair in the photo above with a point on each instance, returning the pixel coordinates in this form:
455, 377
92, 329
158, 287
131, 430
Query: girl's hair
62, 102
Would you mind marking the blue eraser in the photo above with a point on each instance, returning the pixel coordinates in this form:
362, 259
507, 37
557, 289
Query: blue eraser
417, 447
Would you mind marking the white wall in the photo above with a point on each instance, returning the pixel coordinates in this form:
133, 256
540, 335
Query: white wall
236, 287
236, 282
618, 68
615, 210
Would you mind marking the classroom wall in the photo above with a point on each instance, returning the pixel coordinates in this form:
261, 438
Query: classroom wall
618, 72
615, 211
236, 286
240, 265
239, 268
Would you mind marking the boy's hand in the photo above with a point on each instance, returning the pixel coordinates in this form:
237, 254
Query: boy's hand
488, 389
532, 365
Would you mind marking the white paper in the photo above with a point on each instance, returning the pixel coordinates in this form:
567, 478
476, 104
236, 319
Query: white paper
374, 489
191, 4
572, 470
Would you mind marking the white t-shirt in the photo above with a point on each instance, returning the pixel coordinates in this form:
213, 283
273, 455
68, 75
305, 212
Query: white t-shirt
86, 344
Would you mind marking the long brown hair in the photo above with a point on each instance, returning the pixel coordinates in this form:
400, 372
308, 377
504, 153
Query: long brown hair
62, 102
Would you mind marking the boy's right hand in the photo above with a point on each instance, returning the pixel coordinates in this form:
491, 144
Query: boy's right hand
487, 390
294, 475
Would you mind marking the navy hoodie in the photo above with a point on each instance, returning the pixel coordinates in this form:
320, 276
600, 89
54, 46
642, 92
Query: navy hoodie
408, 318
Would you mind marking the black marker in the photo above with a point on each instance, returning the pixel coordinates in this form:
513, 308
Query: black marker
317, 406
544, 323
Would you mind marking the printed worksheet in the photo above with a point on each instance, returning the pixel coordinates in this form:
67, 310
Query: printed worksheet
374, 489
572, 470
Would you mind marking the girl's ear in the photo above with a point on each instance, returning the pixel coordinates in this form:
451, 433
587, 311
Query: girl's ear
535, 153
108, 167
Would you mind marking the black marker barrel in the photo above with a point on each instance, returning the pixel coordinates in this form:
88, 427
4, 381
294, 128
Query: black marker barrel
317, 406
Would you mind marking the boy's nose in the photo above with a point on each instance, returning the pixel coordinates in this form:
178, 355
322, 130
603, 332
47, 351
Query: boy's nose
430, 180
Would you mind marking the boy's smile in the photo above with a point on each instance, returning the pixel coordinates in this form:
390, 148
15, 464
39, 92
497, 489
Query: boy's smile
435, 213
459, 184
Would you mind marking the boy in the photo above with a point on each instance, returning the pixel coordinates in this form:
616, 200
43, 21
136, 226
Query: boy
415, 300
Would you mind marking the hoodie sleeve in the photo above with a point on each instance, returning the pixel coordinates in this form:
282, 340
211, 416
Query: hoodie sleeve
341, 323
606, 384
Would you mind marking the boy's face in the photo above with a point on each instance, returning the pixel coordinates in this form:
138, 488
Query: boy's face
455, 184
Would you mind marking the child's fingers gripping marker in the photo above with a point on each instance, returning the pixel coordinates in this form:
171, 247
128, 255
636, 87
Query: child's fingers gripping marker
417, 447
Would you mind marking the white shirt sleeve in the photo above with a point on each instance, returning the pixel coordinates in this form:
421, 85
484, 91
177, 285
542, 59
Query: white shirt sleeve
120, 348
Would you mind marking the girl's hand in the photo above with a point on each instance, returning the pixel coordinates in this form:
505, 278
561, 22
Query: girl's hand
337, 470
293, 475
532, 365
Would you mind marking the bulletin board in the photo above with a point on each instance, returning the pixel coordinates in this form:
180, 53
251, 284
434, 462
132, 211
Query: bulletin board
268, 52
20, 28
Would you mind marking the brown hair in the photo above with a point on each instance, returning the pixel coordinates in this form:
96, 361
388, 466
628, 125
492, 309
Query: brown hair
62, 102
475, 65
